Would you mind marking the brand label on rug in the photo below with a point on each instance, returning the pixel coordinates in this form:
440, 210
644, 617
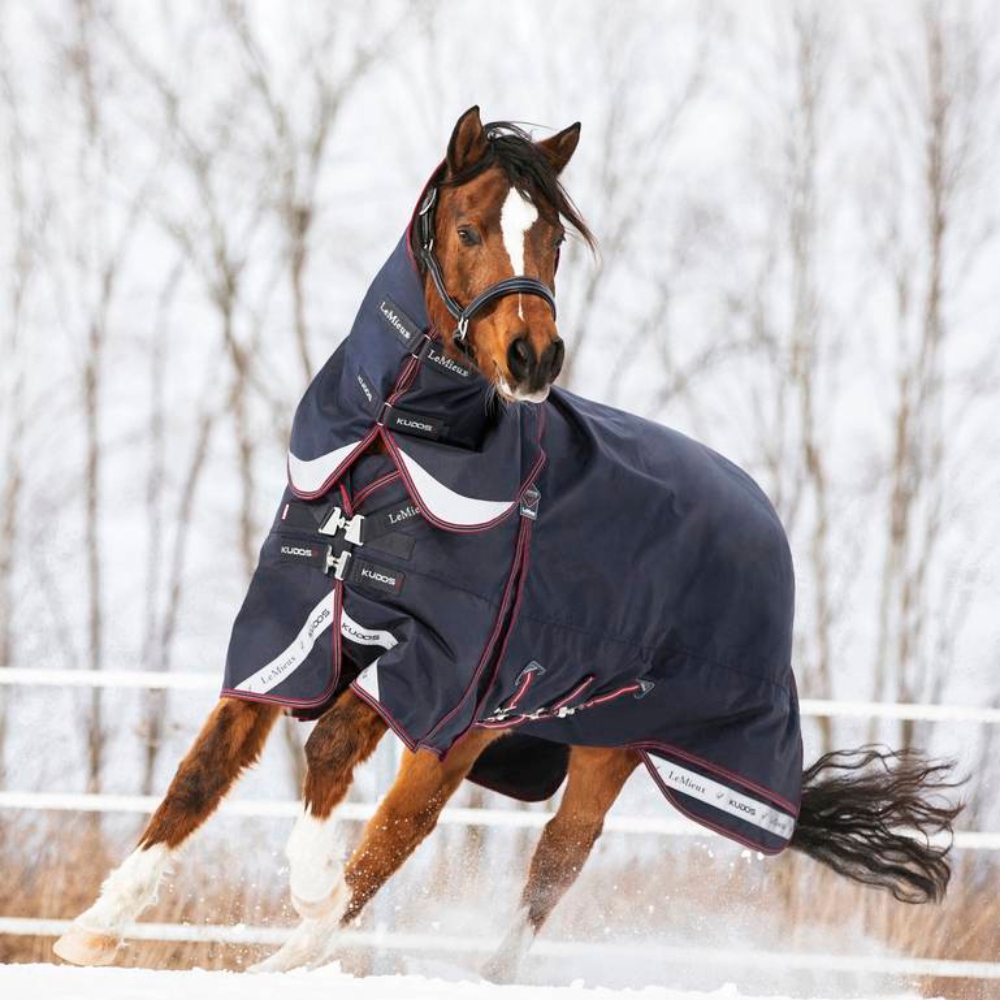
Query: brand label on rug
291, 658
415, 423
441, 361
364, 384
398, 321
292, 550
387, 520
350, 629
722, 797
381, 578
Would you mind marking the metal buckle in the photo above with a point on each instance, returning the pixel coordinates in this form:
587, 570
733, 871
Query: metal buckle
339, 563
352, 530
333, 523
351, 526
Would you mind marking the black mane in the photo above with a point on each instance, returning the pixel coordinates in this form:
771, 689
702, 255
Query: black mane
530, 171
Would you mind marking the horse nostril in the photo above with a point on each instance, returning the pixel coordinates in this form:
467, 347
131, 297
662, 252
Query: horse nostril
558, 350
520, 358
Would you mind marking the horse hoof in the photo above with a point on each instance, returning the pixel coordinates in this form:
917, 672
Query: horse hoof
498, 973
79, 946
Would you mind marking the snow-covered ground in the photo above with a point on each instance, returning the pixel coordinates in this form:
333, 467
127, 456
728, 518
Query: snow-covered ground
51, 982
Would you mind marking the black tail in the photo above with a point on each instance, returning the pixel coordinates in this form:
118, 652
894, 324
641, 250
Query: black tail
875, 824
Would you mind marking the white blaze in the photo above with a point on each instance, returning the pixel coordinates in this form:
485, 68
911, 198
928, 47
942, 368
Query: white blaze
517, 216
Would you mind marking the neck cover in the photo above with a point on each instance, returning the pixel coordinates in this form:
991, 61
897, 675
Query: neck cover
566, 571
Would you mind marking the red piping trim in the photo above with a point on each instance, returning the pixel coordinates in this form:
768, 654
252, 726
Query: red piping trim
337, 472
373, 487
422, 504
610, 696
447, 525
387, 716
519, 693
501, 615
575, 693
525, 533
416, 208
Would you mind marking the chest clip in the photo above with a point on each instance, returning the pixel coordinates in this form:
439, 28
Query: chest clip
352, 527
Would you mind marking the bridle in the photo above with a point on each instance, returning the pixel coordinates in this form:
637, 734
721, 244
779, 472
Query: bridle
520, 284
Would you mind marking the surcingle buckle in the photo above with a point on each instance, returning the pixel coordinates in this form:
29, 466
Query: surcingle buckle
337, 563
352, 527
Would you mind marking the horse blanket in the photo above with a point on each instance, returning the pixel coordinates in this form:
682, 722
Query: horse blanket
565, 570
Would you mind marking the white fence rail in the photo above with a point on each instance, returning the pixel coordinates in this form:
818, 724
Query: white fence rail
357, 811
420, 944
155, 680
413, 943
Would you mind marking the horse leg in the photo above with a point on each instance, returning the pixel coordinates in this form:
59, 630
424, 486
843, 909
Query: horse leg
344, 737
405, 816
230, 740
596, 776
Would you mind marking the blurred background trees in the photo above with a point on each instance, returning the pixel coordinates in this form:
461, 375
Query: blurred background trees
797, 205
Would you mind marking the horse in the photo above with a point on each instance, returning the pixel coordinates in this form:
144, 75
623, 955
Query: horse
436, 431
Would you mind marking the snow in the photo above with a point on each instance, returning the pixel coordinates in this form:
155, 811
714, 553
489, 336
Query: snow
51, 982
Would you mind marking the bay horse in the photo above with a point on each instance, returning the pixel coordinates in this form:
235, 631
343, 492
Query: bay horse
412, 446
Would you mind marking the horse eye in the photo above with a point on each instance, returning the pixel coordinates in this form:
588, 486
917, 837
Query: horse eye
558, 240
468, 237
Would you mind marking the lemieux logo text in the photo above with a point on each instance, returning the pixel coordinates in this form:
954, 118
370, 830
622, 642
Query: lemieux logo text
395, 320
398, 516
445, 362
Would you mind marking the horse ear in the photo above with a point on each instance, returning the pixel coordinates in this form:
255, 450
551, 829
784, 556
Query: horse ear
561, 146
468, 143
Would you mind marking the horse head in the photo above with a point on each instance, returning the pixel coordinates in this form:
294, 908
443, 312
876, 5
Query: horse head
488, 236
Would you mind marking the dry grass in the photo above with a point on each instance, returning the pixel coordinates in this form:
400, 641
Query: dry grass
53, 868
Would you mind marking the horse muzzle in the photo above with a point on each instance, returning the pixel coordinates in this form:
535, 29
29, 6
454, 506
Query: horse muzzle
532, 372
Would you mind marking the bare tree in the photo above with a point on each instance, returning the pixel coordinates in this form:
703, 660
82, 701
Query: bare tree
811, 55
626, 191
298, 154
95, 231
26, 234
933, 112
155, 651
777, 318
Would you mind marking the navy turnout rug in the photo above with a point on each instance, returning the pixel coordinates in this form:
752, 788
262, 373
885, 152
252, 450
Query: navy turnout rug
565, 570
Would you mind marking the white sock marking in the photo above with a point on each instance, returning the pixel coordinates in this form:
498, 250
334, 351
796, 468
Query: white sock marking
315, 858
517, 216
127, 891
